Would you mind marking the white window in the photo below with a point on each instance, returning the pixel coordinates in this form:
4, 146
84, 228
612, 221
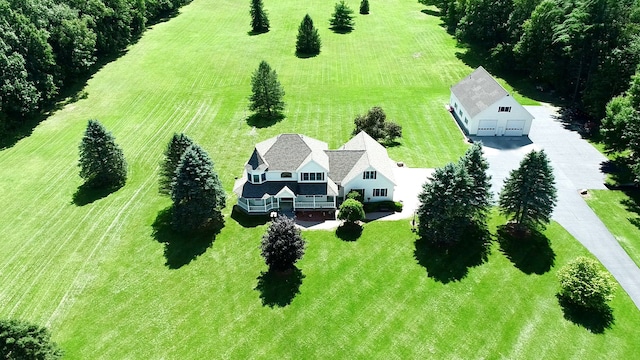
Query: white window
319, 176
504, 109
466, 121
379, 192
369, 175
455, 105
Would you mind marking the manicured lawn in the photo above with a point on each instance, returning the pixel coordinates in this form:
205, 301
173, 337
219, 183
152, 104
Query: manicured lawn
97, 275
620, 212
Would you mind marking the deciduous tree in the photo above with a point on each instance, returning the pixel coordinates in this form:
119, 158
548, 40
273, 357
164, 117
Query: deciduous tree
308, 41
259, 19
282, 245
342, 18
172, 155
528, 196
351, 211
20, 340
102, 163
267, 92
375, 124
197, 193
583, 283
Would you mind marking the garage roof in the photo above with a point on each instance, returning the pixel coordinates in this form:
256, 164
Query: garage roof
478, 91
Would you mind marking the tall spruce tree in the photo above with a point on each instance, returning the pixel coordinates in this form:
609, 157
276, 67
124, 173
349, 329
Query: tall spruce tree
267, 93
342, 18
308, 41
197, 193
364, 7
445, 208
477, 166
282, 245
529, 193
102, 163
172, 155
259, 19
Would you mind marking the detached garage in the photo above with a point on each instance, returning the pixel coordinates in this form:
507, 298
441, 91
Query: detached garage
484, 108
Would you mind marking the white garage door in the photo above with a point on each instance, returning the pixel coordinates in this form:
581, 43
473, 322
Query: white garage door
487, 127
514, 128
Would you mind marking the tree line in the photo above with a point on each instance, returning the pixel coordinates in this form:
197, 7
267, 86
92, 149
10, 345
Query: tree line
47, 45
583, 50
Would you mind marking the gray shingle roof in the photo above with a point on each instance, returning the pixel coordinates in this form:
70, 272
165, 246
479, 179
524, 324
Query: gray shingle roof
478, 91
375, 156
341, 162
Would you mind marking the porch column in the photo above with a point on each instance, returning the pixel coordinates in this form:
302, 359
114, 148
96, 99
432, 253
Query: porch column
314, 201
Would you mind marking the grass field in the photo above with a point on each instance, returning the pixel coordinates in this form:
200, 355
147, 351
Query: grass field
620, 212
107, 288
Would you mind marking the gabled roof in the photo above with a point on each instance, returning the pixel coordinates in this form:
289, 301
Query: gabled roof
341, 162
375, 156
478, 91
287, 152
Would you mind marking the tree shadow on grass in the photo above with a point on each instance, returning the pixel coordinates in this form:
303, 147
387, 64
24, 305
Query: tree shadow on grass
248, 221
530, 252
632, 204
255, 33
431, 12
260, 120
87, 194
279, 288
452, 263
595, 320
303, 55
349, 231
341, 30
180, 248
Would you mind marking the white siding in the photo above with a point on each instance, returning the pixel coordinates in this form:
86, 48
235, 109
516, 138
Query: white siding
368, 185
518, 112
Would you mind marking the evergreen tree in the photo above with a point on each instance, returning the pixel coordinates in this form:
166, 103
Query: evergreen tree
259, 19
102, 163
445, 208
172, 155
364, 7
477, 165
282, 245
308, 41
267, 91
342, 18
529, 193
197, 193
20, 340
351, 211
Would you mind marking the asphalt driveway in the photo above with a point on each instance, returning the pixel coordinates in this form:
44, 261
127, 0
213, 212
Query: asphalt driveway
576, 166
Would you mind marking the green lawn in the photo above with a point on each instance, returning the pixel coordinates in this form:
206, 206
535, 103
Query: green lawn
620, 212
97, 276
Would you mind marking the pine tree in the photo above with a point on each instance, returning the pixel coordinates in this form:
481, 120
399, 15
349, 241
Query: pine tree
308, 41
445, 205
267, 91
364, 7
197, 193
172, 154
259, 19
342, 18
102, 163
282, 245
477, 166
529, 193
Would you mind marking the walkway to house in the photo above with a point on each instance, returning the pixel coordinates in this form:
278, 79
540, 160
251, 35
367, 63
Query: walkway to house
576, 166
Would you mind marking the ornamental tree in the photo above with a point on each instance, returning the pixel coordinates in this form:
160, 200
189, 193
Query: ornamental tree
351, 211
529, 193
172, 155
102, 163
20, 340
308, 41
583, 283
267, 92
445, 208
364, 7
282, 244
197, 193
259, 19
477, 165
342, 18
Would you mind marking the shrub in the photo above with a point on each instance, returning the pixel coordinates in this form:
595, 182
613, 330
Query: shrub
351, 211
387, 205
355, 195
583, 283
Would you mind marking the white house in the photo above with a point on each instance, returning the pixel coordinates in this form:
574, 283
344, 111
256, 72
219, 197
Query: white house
292, 172
484, 108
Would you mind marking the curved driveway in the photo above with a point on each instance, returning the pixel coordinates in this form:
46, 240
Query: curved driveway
576, 166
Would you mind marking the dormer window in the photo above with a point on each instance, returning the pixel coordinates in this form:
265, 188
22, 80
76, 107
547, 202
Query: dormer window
369, 175
257, 178
286, 175
319, 176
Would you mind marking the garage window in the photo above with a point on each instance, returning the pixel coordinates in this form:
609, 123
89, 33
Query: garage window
466, 121
504, 109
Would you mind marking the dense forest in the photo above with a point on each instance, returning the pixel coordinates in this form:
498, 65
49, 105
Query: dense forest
48, 45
